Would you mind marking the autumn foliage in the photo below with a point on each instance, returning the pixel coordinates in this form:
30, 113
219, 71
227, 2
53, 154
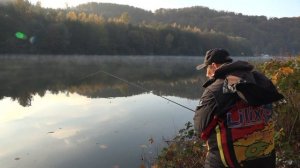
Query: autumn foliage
285, 74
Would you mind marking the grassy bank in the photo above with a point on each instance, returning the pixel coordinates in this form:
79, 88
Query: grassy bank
186, 150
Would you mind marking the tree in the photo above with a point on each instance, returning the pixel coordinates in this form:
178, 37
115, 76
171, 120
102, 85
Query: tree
169, 40
72, 16
124, 18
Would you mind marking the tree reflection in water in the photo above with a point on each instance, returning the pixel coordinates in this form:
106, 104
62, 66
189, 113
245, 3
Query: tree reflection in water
24, 76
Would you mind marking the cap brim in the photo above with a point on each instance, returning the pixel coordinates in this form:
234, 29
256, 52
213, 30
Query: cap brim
201, 66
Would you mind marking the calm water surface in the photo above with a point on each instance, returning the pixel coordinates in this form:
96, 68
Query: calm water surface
61, 112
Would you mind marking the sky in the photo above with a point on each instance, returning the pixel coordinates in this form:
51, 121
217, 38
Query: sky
269, 8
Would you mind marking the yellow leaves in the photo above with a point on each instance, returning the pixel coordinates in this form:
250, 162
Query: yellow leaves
286, 70
283, 71
275, 78
72, 16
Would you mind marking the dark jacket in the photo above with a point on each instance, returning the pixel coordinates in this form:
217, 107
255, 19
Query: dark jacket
233, 83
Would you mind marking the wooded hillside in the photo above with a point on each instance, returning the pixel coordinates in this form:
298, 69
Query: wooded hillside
104, 29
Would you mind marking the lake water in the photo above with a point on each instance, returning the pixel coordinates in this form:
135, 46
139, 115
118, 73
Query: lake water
68, 112
60, 113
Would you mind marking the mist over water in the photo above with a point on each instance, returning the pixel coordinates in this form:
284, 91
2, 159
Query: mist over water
56, 113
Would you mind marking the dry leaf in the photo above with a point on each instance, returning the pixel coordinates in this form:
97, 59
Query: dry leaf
151, 140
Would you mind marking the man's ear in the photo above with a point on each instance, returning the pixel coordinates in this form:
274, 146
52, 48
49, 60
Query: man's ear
214, 65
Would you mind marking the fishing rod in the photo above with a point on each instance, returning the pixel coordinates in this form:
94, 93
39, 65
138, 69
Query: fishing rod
135, 85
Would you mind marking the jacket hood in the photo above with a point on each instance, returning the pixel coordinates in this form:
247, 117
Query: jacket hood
228, 68
239, 68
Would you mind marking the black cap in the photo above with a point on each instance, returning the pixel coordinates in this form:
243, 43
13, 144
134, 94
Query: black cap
216, 55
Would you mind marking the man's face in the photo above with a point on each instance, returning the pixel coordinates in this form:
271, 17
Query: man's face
210, 70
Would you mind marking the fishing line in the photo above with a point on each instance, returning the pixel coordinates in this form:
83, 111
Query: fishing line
133, 84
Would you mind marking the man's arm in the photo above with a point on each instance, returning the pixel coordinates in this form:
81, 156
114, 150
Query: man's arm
205, 111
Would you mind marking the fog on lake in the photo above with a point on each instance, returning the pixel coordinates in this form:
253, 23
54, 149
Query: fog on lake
63, 112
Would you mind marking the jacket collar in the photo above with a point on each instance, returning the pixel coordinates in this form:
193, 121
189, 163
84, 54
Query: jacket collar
229, 68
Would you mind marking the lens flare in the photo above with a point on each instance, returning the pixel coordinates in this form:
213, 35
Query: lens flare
32, 39
21, 36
